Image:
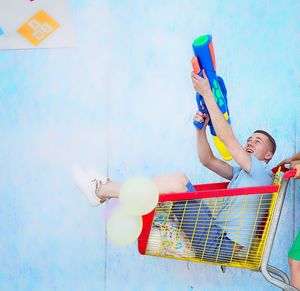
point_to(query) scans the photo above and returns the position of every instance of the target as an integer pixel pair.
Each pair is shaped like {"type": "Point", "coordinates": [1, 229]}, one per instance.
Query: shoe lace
{"type": "Point", "coordinates": [99, 182]}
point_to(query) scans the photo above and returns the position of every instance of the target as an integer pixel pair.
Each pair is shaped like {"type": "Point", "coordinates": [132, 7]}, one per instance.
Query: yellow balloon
{"type": "Point", "coordinates": [139, 195]}
{"type": "Point", "coordinates": [123, 228]}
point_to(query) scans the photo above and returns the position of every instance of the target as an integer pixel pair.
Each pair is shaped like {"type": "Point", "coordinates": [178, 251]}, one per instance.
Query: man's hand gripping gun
{"type": "Point", "coordinates": [205, 59]}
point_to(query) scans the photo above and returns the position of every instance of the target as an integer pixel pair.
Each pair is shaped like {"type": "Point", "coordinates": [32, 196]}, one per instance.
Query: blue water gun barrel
{"type": "Point", "coordinates": [205, 56]}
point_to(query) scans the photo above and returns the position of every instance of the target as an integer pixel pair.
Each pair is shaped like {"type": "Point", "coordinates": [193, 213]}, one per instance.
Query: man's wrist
{"type": "Point", "coordinates": [208, 96]}
{"type": "Point", "coordinates": [201, 132]}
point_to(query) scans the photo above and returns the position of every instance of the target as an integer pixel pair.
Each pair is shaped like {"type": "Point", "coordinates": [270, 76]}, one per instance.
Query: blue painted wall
{"type": "Point", "coordinates": [122, 101]}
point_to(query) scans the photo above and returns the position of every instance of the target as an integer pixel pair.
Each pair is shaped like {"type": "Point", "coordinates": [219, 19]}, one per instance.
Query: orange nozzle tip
{"type": "Point", "coordinates": [196, 66]}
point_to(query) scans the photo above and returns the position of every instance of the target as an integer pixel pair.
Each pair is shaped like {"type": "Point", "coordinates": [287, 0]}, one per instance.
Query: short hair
{"type": "Point", "coordinates": [271, 139]}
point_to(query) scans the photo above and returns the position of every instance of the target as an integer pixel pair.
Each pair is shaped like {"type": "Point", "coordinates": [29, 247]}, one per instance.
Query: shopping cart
{"type": "Point", "coordinates": [178, 227]}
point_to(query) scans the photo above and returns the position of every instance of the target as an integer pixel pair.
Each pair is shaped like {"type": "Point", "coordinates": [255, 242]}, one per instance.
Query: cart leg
{"type": "Point", "coordinates": [265, 268]}
{"type": "Point", "coordinates": [279, 273]}
{"type": "Point", "coordinates": [283, 284]}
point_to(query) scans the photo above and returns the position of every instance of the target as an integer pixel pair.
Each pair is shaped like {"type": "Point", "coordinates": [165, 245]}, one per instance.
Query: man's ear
{"type": "Point", "coordinates": [269, 156]}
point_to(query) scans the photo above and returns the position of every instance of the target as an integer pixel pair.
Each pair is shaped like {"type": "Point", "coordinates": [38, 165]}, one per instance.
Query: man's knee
{"type": "Point", "coordinates": [182, 178]}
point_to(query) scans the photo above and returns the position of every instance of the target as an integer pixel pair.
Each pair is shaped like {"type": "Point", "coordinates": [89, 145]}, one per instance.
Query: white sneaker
{"type": "Point", "coordinates": [95, 175]}
{"type": "Point", "coordinates": [87, 183]}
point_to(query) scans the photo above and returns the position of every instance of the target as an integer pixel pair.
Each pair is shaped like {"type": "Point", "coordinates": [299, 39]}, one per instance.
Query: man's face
{"type": "Point", "coordinates": [259, 145]}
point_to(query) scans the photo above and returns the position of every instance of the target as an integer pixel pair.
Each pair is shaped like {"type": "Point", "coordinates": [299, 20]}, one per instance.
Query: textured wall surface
{"type": "Point", "coordinates": [122, 100]}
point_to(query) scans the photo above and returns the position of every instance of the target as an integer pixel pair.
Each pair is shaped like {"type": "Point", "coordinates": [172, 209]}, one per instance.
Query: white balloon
{"type": "Point", "coordinates": [123, 228]}
{"type": "Point", "coordinates": [139, 195]}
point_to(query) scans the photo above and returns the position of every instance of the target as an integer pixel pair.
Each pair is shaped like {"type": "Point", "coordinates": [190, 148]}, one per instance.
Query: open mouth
{"type": "Point", "coordinates": [249, 151]}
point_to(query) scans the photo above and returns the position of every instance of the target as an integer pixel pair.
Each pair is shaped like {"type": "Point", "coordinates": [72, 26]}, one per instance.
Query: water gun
{"type": "Point", "coordinates": [205, 59]}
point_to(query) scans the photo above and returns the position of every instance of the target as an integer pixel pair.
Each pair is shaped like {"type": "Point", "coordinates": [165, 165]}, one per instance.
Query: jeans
{"type": "Point", "coordinates": [208, 240]}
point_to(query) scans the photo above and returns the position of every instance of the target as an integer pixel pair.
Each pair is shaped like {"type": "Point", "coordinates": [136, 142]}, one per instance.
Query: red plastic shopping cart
{"type": "Point", "coordinates": [172, 229]}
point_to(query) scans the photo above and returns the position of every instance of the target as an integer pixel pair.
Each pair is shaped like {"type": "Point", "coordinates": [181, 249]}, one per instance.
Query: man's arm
{"type": "Point", "coordinates": [205, 153]}
{"type": "Point", "coordinates": [296, 157]}
{"type": "Point", "coordinates": [221, 126]}
{"type": "Point", "coordinates": [291, 159]}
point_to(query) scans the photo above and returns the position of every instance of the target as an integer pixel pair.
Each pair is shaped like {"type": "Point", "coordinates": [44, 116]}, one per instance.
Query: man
{"type": "Point", "coordinates": [230, 229]}
{"type": "Point", "coordinates": [252, 171]}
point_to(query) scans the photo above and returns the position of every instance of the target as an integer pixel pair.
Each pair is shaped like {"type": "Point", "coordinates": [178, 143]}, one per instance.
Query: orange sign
{"type": "Point", "coordinates": [38, 27]}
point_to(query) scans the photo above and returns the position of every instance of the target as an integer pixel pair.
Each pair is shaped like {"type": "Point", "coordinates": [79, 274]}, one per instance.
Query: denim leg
{"type": "Point", "coordinates": [226, 250]}
{"type": "Point", "coordinates": [199, 226]}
